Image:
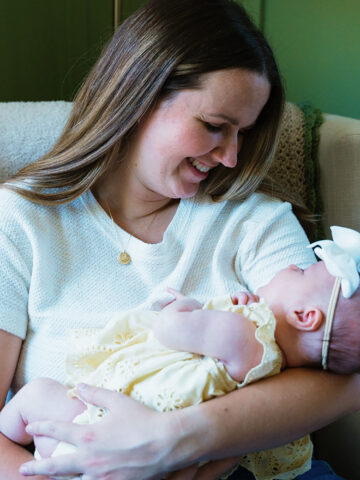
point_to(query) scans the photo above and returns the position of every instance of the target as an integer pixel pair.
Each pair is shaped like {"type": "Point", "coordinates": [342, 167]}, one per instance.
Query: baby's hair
{"type": "Point", "coordinates": [344, 349]}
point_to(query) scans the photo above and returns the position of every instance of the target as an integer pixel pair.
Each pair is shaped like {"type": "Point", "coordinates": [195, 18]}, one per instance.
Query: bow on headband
{"type": "Point", "coordinates": [341, 257]}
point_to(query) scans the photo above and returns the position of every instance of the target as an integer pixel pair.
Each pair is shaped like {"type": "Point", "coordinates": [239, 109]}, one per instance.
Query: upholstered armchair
{"type": "Point", "coordinates": [318, 158]}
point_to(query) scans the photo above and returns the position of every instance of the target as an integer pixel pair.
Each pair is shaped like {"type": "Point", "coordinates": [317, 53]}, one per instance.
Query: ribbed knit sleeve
{"type": "Point", "coordinates": [15, 274]}
{"type": "Point", "coordinates": [272, 240]}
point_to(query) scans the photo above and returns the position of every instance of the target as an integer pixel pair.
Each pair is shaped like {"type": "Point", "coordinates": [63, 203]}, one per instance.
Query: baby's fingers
{"type": "Point", "coordinates": [244, 298]}
{"type": "Point", "coordinates": [177, 294]}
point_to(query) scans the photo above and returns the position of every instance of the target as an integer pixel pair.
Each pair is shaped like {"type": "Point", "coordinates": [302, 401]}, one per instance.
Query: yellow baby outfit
{"type": "Point", "coordinates": [125, 356]}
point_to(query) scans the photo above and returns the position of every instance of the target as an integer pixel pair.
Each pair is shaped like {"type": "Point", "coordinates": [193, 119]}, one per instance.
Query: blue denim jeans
{"type": "Point", "coordinates": [320, 470]}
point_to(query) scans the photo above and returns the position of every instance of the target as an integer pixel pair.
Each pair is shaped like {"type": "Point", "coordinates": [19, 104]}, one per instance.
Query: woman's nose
{"type": "Point", "coordinates": [227, 151]}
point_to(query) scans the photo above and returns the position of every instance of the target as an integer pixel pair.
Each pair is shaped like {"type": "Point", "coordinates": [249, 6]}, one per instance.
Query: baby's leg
{"type": "Point", "coordinates": [40, 399]}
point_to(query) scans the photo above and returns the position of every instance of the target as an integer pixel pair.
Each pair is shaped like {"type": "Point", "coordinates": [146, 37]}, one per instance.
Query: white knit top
{"type": "Point", "coordinates": [59, 267]}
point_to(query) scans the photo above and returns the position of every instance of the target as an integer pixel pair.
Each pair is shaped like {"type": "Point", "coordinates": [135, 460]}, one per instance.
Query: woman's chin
{"type": "Point", "coordinates": [189, 193]}
{"type": "Point", "coordinates": [184, 191]}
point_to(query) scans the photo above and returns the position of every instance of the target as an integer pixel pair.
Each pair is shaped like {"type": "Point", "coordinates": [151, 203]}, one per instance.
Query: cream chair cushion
{"type": "Point", "coordinates": [339, 157]}
{"type": "Point", "coordinates": [27, 131]}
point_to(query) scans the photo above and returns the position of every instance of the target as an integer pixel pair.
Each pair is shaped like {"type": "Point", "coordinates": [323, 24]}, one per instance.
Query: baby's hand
{"type": "Point", "coordinates": [171, 326]}
{"type": "Point", "coordinates": [243, 298]}
{"type": "Point", "coordinates": [181, 303]}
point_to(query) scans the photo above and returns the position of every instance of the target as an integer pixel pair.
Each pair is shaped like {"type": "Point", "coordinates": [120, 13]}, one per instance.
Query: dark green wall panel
{"type": "Point", "coordinates": [129, 6]}
{"type": "Point", "coordinates": [48, 46]}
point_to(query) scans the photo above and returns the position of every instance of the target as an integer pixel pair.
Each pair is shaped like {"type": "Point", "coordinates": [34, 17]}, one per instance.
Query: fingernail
{"type": "Point", "coordinates": [24, 470]}
{"type": "Point", "coordinates": [29, 429]}
{"type": "Point", "coordinates": [81, 387]}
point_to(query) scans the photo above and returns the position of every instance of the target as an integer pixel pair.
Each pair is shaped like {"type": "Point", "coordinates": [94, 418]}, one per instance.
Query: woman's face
{"type": "Point", "coordinates": [194, 131]}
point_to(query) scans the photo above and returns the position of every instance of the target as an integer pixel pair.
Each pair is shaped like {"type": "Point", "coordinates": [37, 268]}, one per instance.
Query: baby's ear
{"type": "Point", "coordinates": [307, 320]}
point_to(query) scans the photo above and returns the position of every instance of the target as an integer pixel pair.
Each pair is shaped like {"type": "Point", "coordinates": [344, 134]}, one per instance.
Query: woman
{"type": "Point", "coordinates": [151, 185]}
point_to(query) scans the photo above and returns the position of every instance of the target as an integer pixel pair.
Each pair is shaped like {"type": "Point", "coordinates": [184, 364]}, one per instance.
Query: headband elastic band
{"type": "Point", "coordinates": [329, 321]}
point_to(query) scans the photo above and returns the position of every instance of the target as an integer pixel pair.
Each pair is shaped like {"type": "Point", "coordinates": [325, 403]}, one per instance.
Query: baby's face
{"type": "Point", "coordinates": [295, 284]}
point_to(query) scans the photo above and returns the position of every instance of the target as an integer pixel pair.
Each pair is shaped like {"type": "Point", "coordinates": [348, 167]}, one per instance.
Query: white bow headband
{"type": "Point", "coordinates": [341, 257]}
{"type": "Point", "coordinates": [342, 260]}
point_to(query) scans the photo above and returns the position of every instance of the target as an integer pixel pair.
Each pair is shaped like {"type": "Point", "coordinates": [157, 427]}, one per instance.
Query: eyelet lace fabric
{"type": "Point", "coordinates": [125, 356]}
{"type": "Point", "coordinates": [281, 463]}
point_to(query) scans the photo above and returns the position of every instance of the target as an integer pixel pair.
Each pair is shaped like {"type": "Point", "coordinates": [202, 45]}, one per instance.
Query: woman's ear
{"type": "Point", "coordinates": [307, 320]}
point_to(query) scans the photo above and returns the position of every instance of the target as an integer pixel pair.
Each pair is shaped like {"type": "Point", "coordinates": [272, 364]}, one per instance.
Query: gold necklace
{"type": "Point", "coordinates": [124, 257]}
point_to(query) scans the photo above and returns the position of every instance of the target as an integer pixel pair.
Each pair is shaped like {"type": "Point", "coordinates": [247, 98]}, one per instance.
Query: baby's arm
{"type": "Point", "coordinates": [40, 399]}
{"type": "Point", "coordinates": [227, 336]}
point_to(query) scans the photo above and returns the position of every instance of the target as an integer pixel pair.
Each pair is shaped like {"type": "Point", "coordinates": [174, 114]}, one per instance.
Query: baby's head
{"type": "Point", "coordinates": [301, 301]}
{"type": "Point", "coordinates": [344, 345]}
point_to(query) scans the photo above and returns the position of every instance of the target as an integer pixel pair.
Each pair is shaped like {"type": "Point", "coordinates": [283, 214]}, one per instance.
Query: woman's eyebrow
{"type": "Point", "coordinates": [231, 120]}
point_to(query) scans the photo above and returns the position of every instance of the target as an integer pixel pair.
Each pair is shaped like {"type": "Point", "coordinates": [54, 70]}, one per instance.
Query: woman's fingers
{"type": "Point", "coordinates": [98, 396]}
{"type": "Point", "coordinates": [50, 466]}
{"type": "Point", "coordinates": [120, 446]}
{"type": "Point", "coordinates": [215, 469]}
{"type": "Point", "coordinates": [62, 431]}
{"type": "Point", "coordinates": [188, 473]}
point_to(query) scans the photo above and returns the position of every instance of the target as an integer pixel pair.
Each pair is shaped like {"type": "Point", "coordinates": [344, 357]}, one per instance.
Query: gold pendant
{"type": "Point", "coordinates": [124, 258]}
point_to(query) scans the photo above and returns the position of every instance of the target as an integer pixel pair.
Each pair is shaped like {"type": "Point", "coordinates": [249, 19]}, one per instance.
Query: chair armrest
{"type": "Point", "coordinates": [339, 158]}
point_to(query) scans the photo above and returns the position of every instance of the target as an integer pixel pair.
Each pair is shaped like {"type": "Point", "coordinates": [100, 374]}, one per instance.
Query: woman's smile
{"type": "Point", "coordinates": [198, 165]}
{"type": "Point", "coordinates": [194, 131]}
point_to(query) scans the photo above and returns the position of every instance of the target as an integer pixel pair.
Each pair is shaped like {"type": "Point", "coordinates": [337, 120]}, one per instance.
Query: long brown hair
{"type": "Point", "coordinates": [164, 47]}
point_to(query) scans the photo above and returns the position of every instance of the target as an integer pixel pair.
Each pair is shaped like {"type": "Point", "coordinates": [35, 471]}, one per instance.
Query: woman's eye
{"type": "Point", "coordinates": [212, 128]}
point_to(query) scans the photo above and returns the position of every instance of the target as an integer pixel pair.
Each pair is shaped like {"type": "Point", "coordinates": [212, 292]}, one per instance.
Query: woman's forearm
{"type": "Point", "coordinates": [11, 457]}
{"type": "Point", "coordinates": [140, 443]}
{"type": "Point", "coordinates": [266, 414]}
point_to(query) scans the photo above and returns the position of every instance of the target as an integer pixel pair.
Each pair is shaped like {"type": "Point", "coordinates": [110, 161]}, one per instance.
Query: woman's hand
{"type": "Point", "coordinates": [216, 469]}
{"type": "Point", "coordinates": [129, 443]}
{"type": "Point", "coordinates": [188, 473]}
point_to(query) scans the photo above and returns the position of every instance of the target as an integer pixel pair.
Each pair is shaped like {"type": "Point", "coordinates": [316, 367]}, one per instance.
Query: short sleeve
{"type": "Point", "coordinates": [273, 240]}
{"type": "Point", "coordinates": [14, 288]}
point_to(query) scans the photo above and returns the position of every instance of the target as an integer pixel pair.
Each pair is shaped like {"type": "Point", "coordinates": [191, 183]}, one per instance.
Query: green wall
{"type": "Point", "coordinates": [317, 45]}
{"type": "Point", "coordinates": [48, 46]}
{"type": "Point", "coordinates": [255, 9]}
{"type": "Point", "coordinates": [129, 6]}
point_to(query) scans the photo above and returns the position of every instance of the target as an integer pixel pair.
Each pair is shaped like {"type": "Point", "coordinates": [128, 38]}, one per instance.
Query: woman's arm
{"type": "Point", "coordinates": [258, 416]}
{"type": "Point", "coordinates": [134, 442]}
{"type": "Point", "coordinates": [11, 455]}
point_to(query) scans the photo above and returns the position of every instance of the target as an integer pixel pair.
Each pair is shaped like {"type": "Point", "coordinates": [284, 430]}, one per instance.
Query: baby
{"type": "Point", "coordinates": [301, 319]}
